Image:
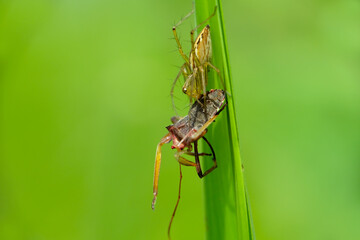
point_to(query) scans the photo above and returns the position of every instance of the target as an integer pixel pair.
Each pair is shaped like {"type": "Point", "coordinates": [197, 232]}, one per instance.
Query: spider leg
{"type": "Point", "coordinates": [173, 86]}
{"type": "Point", "coordinates": [186, 17]}
{"type": "Point", "coordinates": [204, 83]}
{"type": "Point", "coordinates": [193, 31]}
{"type": "Point", "coordinates": [194, 58]}
{"type": "Point", "coordinates": [189, 84]}
{"type": "Point", "coordinates": [220, 77]}
{"type": "Point", "coordinates": [177, 38]}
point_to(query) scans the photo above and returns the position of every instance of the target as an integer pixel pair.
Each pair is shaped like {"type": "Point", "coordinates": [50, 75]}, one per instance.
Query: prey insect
{"type": "Point", "coordinates": [196, 66]}
{"type": "Point", "coordinates": [187, 131]}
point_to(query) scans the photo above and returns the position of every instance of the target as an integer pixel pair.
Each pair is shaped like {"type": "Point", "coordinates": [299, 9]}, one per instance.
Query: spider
{"type": "Point", "coordinates": [195, 69]}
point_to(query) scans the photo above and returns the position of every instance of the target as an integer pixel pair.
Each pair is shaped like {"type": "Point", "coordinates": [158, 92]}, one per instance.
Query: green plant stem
{"type": "Point", "coordinates": [227, 212]}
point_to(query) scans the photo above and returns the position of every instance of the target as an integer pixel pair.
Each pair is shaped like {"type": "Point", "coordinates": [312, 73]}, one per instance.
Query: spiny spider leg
{"type": "Point", "coordinates": [177, 38]}
{"type": "Point", "coordinates": [204, 83]}
{"type": "Point", "coordinates": [190, 82]}
{"type": "Point", "coordinates": [219, 74]}
{"type": "Point", "coordinates": [181, 72]}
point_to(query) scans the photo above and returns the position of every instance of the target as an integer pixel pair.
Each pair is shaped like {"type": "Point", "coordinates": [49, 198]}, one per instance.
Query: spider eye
{"type": "Point", "coordinates": [184, 89]}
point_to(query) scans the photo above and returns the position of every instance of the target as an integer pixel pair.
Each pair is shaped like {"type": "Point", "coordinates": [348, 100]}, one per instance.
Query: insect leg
{"type": "Point", "coordinates": [177, 203]}
{"type": "Point", "coordinates": [173, 86]}
{"type": "Point", "coordinates": [199, 154]}
{"type": "Point", "coordinates": [214, 159]}
{"type": "Point", "coordinates": [183, 160]}
{"type": "Point", "coordinates": [198, 167]}
{"type": "Point", "coordinates": [165, 139]}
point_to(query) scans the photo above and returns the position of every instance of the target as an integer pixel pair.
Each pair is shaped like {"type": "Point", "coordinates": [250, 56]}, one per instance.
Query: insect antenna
{"type": "Point", "coordinates": [177, 204]}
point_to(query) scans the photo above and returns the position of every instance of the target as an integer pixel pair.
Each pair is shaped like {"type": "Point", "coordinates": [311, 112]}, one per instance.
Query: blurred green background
{"type": "Point", "coordinates": [84, 99]}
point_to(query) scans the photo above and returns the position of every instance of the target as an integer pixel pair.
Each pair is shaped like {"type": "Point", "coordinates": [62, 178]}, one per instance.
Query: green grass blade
{"type": "Point", "coordinates": [228, 214]}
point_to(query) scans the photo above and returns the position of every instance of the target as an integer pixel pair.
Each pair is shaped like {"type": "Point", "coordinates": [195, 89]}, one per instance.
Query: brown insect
{"type": "Point", "coordinates": [187, 131]}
